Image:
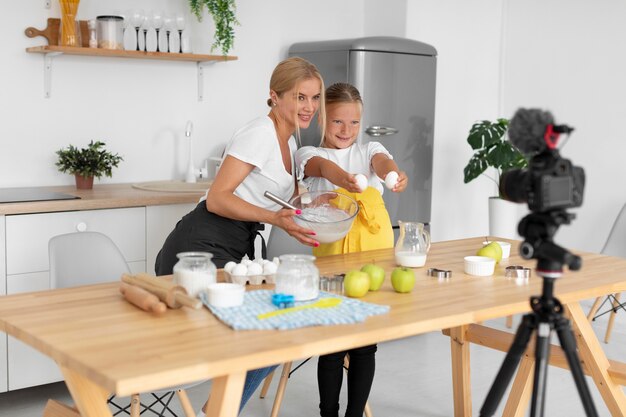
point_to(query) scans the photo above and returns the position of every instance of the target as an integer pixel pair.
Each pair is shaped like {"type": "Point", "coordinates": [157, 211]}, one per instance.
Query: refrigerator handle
{"type": "Point", "coordinates": [381, 130]}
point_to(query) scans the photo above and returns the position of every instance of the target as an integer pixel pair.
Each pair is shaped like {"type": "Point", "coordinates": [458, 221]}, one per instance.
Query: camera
{"type": "Point", "coordinates": [550, 182]}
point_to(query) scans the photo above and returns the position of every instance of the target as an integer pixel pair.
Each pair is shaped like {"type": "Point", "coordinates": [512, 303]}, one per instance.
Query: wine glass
{"type": "Point", "coordinates": [145, 25]}
{"type": "Point", "coordinates": [180, 25]}
{"type": "Point", "coordinates": [168, 24]}
{"type": "Point", "coordinates": [157, 22]}
{"type": "Point", "coordinates": [136, 20]}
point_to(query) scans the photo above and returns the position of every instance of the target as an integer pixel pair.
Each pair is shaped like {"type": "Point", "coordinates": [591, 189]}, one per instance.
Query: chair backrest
{"type": "Point", "coordinates": [84, 258]}
{"type": "Point", "coordinates": [616, 242]}
{"type": "Point", "coordinates": [280, 243]}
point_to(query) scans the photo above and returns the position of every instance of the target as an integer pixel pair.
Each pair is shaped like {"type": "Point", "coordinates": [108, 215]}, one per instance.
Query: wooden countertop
{"type": "Point", "coordinates": [102, 196]}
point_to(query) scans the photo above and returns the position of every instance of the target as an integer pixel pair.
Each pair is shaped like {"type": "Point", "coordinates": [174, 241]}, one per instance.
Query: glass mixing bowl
{"type": "Point", "coordinates": [328, 213]}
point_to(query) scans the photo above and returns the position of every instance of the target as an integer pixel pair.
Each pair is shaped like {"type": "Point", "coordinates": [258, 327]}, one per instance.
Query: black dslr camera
{"type": "Point", "coordinates": [550, 181]}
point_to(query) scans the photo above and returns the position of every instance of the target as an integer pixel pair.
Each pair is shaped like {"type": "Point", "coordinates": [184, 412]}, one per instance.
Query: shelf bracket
{"type": "Point", "coordinates": [201, 78]}
{"type": "Point", "coordinates": [47, 72]}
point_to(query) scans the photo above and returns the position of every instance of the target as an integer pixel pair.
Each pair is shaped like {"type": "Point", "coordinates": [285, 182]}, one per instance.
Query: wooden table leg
{"type": "Point", "coordinates": [522, 389]}
{"type": "Point", "coordinates": [225, 395]}
{"type": "Point", "coordinates": [595, 360]}
{"type": "Point", "coordinates": [461, 385]}
{"type": "Point", "coordinates": [90, 398]}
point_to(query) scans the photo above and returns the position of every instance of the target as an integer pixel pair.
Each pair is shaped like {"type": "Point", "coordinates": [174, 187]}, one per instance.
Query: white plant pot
{"type": "Point", "coordinates": [503, 218]}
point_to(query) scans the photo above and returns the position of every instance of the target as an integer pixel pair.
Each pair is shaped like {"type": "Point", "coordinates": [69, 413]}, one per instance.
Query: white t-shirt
{"type": "Point", "coordinates": [355, 159]}
{"type": "Point", "coordinates": [256, 143]}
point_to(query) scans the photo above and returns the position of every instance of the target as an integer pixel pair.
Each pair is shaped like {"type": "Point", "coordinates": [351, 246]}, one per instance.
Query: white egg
{"type": "Point", "coordinates": [269, 268]}
{"type": "Point", "coordinates": [391, 179]}
{"type": "Point", "coordinates": [255, 269]}
{"type": "Point", "coordinates": [276, 260]}
{"type": "Point", "coordinates": [258, 261]}
{"type": "Point", "coordinates": [265, 261]}
{"type": "Point", "coordinates": [245, 261]}
{"type": "Point", "coordinates": [229, 266]}
{"type": "Point", "coordinates": [361, 181]}
{"type": "Point", "coordinates": [239, 269]}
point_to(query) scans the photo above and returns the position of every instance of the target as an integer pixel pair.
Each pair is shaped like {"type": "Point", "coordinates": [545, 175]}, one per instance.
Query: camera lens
{"type": "Point", "coordinates": [514, 185]}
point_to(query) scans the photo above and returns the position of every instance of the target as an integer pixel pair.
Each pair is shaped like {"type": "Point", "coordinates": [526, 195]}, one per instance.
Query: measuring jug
{"type": "Point", "coordinates": [413, 244]}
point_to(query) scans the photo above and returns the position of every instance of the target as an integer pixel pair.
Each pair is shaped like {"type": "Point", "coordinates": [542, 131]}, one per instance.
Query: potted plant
{"type": "Point", "coordinates": [223, 13]}
{"type": "Point", "coordinates": [87, 163]}
{"type": "Point", "coordinates": [492, 149]}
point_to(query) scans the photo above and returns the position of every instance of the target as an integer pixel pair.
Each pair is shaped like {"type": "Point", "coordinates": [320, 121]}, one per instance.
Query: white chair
{"type": "Point", "coordinates": [279, 243]}
{"type": "Point", "coordinates": [85, 258]}
{"type": "Point", "coordinates": [615, 246]}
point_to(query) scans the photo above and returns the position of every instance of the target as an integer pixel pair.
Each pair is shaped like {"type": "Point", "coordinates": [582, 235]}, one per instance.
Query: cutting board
{"type": "Point", "coordinates": [51, 32]}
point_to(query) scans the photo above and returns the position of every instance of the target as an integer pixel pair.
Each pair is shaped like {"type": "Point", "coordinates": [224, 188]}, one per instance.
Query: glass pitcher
{"type": "Point", "coordinates": [194, 271]}
{"type": "Point", "coordinates": [297, 275]}
{"type": "Point", "coordinates": [413, 244]}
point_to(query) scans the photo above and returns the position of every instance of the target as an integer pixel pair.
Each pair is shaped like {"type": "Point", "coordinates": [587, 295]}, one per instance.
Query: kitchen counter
{"type": "Point", "coordinates": [102, 196]}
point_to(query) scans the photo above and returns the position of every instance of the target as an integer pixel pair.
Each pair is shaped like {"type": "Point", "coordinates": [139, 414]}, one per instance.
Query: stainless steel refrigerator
{"type": "Point", "coordinates": [396, 78]}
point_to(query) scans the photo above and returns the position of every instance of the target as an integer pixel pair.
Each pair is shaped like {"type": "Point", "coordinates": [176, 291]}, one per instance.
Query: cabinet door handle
{"type": "Point", "coordinates": [81, 227]}
{"type": "Point", "coordinates": [381, 130]}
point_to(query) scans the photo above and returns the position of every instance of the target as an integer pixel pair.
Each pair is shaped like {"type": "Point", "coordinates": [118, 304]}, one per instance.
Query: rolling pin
{"type": "Point", "coordinates": [171, 294]}
{"type": "Point", "coordinates": [142, 298]}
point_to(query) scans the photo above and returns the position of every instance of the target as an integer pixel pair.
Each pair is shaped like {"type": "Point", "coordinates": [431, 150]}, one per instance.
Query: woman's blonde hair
{"type": "Point", "coordinates": [287, 75]}
{"type": "Point", "coordinates": [341, 93]}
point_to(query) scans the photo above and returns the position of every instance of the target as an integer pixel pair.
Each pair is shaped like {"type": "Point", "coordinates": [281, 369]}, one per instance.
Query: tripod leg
{"type": "Point", "coordinates": [542, 356]}
{"type": "Point", "coordinates": [512, 359]}
{"type": "Point", "coordinates": [521, 390]}
{"type": "Point", "coordinates": [568, 343]}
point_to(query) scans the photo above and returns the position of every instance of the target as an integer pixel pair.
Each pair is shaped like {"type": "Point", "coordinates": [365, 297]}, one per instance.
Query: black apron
{"type": "Point", "coordinates": [203, 231]}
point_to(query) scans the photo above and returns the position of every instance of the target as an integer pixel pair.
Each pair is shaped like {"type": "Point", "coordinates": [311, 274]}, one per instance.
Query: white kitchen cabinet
{"type": "Point", "coordinates": [4, 380]}
{"type": "Point", "coordinates": [27, 269]}
{"type": "Point", "coordinates": [160, 221]}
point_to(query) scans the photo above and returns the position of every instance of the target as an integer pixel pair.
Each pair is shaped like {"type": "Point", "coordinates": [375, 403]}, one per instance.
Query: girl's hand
{"type": "Point", "coordinates": [349, 183]}
{"type": "Point", "coordinates": [403, 181]}
{"type": "Point", "coordinates": [284, 219]}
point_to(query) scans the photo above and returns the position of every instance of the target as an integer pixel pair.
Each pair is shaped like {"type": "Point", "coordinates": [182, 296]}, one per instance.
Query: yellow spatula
{"type": "Point", "coordinates": [323, 303]}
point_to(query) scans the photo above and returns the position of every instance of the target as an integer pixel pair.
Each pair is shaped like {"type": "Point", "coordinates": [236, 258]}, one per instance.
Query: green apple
{"type": "Point", "coordinates": [356, 283]}
{"type": "Point", "coordinates": [403, 279]}
{"type": "Point", "coordinates": [491, 250]}
{"type": "Point", "coordinates": [377, 275]}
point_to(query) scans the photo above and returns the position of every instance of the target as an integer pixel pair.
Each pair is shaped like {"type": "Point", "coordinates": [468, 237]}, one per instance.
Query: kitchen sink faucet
{"type": "Point", "coordinates": [192, 172]}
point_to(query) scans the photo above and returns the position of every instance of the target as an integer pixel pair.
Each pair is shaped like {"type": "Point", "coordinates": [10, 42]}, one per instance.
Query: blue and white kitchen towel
{"type": "Point", "coordinates": [244, 317]}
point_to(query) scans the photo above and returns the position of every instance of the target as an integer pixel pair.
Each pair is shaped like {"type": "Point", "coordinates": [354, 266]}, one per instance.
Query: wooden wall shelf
{"type": "Point", "coordinates": [51, 51]}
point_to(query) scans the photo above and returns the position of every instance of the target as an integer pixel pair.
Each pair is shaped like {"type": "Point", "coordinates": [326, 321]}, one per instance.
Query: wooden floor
{"type": "Point", "coordinates": [412, 379]}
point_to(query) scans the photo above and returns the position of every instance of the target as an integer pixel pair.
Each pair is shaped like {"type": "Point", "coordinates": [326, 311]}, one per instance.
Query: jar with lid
{"type": "Point", "coordinates": [297, 275]}
{"type": "Point", "coordinates": [110, 32]}
{"type": "Point", "coordinates": [194, 271]}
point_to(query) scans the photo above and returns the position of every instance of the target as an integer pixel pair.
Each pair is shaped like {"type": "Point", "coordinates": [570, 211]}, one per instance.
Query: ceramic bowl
{"type": "Point", "coordinates": [328, 213]}
{"type": "Point", "coordinates": [480, 266]}
{"type": "Point", "coordinates": [225, 294]}
{"type": "Point", "coordinates": [506, 248]}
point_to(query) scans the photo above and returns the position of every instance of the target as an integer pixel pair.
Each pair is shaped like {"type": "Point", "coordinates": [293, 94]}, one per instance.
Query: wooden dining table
{"type": "Point", "coordinates": [104, 345]}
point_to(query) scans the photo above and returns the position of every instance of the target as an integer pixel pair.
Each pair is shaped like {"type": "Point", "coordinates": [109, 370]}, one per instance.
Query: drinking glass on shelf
{"type": "Point", "coordinates": [157, 23]}
{"type": "Point", "coordinates": [137, 17]}
{"type": "Point", "coordinates": [180, 25]}
{"type": "Point", "coordinates": [145, 25]}
{"type": "Point", "coordinates": [168, 25]}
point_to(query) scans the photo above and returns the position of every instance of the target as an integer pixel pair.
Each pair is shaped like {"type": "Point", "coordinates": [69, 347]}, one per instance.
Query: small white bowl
{"type": "Point", "coordinates": [480, 266]}
{"type": "Point", "coordinates": [225, 294]}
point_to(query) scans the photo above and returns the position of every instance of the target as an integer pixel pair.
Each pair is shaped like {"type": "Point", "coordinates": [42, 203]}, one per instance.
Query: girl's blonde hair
{"type": "Point", "coordinates": [287, 75]}
{"type": "Point", "coordinates": [341, 93]}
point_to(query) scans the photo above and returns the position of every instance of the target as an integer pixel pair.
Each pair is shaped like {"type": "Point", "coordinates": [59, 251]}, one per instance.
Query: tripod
{"type": "Point", "coordinates": [546, 317]}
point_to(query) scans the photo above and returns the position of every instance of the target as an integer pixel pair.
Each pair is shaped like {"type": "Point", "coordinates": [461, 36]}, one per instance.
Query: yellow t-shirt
{"type": "Point", "coordinates": [371, 228]}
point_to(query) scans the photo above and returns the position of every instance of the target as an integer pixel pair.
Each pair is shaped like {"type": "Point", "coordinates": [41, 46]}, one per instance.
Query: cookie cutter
{"type": "Point", "coordinates": [517, 271]}
{"type": "Point", "coordinates": [439, 273]}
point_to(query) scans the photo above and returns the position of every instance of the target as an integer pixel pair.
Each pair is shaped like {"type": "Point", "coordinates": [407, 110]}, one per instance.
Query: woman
{"type": "Point", "coordinates": [258, 158]}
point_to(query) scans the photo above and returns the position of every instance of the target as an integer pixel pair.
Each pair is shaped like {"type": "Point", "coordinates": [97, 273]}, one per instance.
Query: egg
{"type": "Point", "coordinates": [276, 260]}
{"type": "Point", "coordinates": [245, 261]}
{"type": "Point", "coordinates": [229, 266]}
{"type": "Point", "coordinates": [391, 179]}
{"type": "Point", "coordinates": [239, 269]}
{"type": "Point", "coordinates": [269, 268]}
{"type": "Point", "coordinates": [361, 181]}
{"type": "Point", "coordinates": [255, 269]}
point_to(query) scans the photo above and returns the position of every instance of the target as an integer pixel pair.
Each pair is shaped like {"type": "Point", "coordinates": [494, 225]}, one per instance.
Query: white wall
{"type": "Point", "coordinates": [562, 55]}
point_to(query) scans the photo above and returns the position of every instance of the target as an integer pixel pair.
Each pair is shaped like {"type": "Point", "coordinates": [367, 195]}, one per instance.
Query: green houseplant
{"type": "Point", "coordinates": [223, 13]}
{"type": "Point", "coordinates": [87, 163]}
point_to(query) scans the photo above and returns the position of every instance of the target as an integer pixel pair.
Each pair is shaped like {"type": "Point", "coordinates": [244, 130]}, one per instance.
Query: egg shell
{"type": "Point", "coordinates": [391, 179]}
{"type": "Point", "coordinates": [239, 269]}
{"type": "Point", "coordinates": [229, 266]}
{"type": "Point", "coordinates": [255, 269]}
{"type": "Point", "coordinates": [245, 261]}
{"type": "Point", "coordinates": [361, 181]}
{"type": "Point", "coordinates": [269, 268]}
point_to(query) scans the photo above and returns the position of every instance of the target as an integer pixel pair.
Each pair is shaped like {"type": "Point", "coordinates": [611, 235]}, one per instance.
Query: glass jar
{"type": "Point", "coordinates": [69, 31]}
{"type": "Point", "coordinates": [413, 244]}
{"type": "Point", "coordinates": [194, 271]}
{"type": "Point", "coordinates": [110, 32]}
{"type": "Point", "coordinates": [297, 275]}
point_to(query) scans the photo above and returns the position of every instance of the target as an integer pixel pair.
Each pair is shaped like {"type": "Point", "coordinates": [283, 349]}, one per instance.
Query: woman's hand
{"type": "Point", "coordinates": [403, 181]}
{"type": "Point", "coordinates": [284, 219]}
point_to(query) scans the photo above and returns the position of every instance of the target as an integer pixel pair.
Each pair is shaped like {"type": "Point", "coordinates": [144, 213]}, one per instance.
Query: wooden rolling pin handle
{"type": "Point", "coordinates": [188, 301]}
{"type": "Point", "coordinates": [142, 299]}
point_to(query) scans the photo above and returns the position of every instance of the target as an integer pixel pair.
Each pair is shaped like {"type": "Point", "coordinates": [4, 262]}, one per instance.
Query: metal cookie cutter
{"type": "Point", "coordinates": [517, 271]}
{"type": "Point", "coordinates": [439, 273]}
